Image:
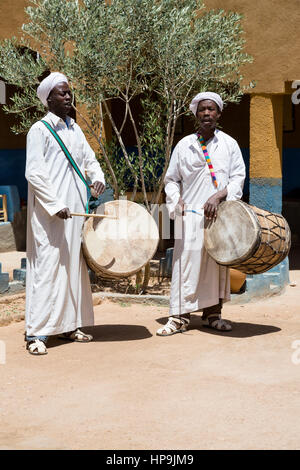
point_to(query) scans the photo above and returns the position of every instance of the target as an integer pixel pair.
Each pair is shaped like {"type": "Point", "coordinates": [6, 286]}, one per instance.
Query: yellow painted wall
{"type": "Point", "coordinates": [12, 16]}
{"type": "Point", "coordinates": [271, 31]}
{"type": "Point", "coordinates": [266, 136]}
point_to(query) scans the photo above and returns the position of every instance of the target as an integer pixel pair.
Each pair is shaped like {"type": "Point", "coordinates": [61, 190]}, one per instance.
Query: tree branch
{"type": "Point", "coordinates": [115, 182]}
{"type": "Point", "coordinates": [140, 156]}
{"type": "Point", "coordinates": [122, 146]}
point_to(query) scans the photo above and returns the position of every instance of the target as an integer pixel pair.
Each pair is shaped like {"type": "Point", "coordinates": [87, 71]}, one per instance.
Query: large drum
{"type": "Point", "coordinates": [247, 238]}
{"type": "Point", "coordinates": [121, 245]}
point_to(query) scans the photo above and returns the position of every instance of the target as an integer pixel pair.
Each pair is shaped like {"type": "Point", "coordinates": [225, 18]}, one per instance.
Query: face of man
{"type": "Point", "coordinates": [207, 114]}
{"type": "Point", "coordinates": [60, 100]}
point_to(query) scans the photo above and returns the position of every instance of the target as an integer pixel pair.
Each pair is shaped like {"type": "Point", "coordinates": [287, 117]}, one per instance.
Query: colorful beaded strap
{"type": "Point", "coordinates": [208, 160]}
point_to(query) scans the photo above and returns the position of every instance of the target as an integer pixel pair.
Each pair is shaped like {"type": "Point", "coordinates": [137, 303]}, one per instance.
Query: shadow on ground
{"type": "Point", "coordinates": [239, 330]}
{"type": "Point", "coordinates": [102, 333]}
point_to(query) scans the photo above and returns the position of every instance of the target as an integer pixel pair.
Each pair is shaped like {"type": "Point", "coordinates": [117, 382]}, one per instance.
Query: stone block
{"type": "Point", "coordinates": [13, 234]}
{"type": "Point", "coordinates": [19, 228]}
{"type": "Point", "coordinates": [270, 282]}
{"type": "Point", "coordinates": [19, 275]}
{"type": "Point", "coordinates": [4, 281]}
{"type": "Point", "coordinates": [165, 266]}
{"type": "Point", "coordinates": [7, 237]}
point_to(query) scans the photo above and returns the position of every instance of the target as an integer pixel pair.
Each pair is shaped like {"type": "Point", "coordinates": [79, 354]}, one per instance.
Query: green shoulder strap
{"type": "Point", "coordinates": [70, 158]}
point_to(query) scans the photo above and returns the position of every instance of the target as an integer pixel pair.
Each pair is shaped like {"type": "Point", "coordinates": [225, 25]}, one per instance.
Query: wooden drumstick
{"type": "Point", "coordinates": [94, 215]}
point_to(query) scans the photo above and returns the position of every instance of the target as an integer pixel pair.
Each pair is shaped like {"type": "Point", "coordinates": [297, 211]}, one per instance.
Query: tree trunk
{"type": "Point", "coordinates": [146, 277]}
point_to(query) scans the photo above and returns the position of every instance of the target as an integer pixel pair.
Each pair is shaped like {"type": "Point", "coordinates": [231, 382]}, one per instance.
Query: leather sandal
{"type": "Point", "coordinates": [36, 347]}
{"type": "Point", "coordinates": [174, 325]}
{"type": "Point", "coordinates": [77, 336]}
{"type": "Point", "coordinates": [216, 322]}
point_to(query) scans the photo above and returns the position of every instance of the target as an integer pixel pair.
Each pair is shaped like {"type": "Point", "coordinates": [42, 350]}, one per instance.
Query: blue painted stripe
{"type": "Point", "coordinates": [266, 193]}
{"type": "Point", "coordinates": [12, 169]}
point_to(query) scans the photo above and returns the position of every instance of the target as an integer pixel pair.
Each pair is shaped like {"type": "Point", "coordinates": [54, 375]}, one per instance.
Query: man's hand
{"type": "Point", "coordinates": [97, 188]}
{"type": "Point", "coordinates": [211, 205]}
{"type": "Point", "coordinates": [64, 213]}
{"type": "Point", "coordinates": [179, 209]}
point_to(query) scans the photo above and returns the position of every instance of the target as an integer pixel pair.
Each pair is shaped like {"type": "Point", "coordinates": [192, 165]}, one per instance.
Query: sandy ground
{"type": "Point", "coordinates": [130, 389]}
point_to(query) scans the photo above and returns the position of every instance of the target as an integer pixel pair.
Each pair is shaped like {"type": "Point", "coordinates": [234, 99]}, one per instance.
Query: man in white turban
{"type": "Point", "coordinates": [58, 292]}
{"type": "Point", "coordinates": [47, 85]}
{"type": "Point", "coordinates": [194, 189]}
{"type": "Point", "coordinates": [206, 95]}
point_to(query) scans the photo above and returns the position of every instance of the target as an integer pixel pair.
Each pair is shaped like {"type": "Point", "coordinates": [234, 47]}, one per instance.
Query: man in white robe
{"type": "Point", "coordinates": [198, 282]}
{"type": "Point", "coordinates": [58, 292]}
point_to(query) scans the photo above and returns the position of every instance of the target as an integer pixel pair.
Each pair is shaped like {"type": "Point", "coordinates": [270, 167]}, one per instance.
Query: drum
{"type": "Point", "coordinates": [121, 245]}
{"type": "Point", "coordinates": [247, 238]}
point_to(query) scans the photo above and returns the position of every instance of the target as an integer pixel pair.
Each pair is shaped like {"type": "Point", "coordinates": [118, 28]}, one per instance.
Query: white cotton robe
{"type": "Point", "coordinates": [197, 280]}
{"type": "Point", "coordinates": [58, 292]}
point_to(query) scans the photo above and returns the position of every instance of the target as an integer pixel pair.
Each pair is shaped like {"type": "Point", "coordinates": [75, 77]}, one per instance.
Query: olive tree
{"type": "Point", "coordinates": [162, 52]}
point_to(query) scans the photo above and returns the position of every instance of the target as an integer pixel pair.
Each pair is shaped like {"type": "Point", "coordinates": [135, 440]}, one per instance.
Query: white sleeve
{"type": "Point", "coordinates": [237, 174]}
{"type": "Point", "coordinates": [172, 183]}
{"type": "Point", "coordinates": [37, 175]}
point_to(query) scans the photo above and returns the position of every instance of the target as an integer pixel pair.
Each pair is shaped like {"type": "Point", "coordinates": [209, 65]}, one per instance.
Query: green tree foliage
{"type": "Point", "coordinates": [163, 52]}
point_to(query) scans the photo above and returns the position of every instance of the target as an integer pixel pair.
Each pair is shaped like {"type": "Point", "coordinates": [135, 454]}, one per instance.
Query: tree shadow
{"type": "Point", "coordinates": [103, 333]}
{"type": "Point", "coordinates": [239, 329]}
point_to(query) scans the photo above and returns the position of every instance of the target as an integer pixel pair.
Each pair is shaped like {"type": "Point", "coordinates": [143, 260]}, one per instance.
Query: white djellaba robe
{"type": "Point", "coordinates": [197, 280]}
{"type": "Point", "coordinates": [58, 292]}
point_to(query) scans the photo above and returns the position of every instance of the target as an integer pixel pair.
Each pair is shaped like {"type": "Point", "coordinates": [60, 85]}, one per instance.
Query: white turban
{"type": "Point", "coordinates": [206, 95]}
{"type": "Point", "coordinates": [48, 84]}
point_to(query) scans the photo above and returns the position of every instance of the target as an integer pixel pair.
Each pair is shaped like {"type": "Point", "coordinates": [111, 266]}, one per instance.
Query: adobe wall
{"type": "Point", "coordinates": [271, 31]}
{"type": "Point", "coordinates": [12, 16]}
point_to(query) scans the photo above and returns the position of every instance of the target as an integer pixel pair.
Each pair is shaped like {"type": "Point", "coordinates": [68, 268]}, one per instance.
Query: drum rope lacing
{"type": "Point", "coordinates": [261, 259]}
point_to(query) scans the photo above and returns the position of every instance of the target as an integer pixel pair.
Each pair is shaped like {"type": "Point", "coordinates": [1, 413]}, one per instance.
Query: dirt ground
{"type": "Point", "coordinates": [130, 389]}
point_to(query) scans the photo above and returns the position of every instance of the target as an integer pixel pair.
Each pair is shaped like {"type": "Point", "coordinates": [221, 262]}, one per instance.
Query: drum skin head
{"type": "Point", "coordinates": [119, 247]}
{"type": "Point", "coordinates": [234, 235]}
